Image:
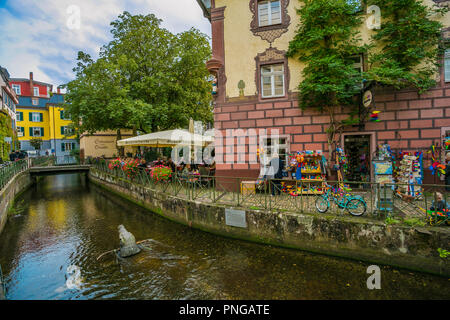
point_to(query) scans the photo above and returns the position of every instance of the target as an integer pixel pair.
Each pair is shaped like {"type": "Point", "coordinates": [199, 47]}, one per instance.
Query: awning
{"type": "Point", "coordinates": [170, 138]}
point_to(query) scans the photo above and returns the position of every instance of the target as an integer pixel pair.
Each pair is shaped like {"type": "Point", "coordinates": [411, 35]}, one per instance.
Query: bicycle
{"type": "Point", "coordinates": [355, 205]}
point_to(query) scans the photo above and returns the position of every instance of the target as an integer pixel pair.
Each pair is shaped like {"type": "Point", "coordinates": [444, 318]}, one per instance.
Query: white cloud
{"type": "Point", "coordinates": [39, 40]}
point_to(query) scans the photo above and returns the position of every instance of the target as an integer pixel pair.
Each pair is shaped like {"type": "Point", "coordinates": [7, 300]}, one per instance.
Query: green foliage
{"type": "Point", "coordinates": [36, 143]}
{"type": "Point", "coordinates": [390, 220]}
{"type": "Point", "coordinates": [5, 131]}
{"type": "Point", "coordinates": [326, 41]}
{"type": "Point", "coordinates": [414, 222]}
{"type": "Point", "coordinates": [411, 43]}
{"type": "Point", "coordinates": [443, 253]}
{"type": "Point", "coordinates": [146, 79]}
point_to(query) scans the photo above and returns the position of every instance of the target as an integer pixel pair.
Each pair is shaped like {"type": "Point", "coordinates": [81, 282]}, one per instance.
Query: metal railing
{"type": "Point", "coordinates": [43, 161]}
{"type": "Point", "coordinates": [382, 201]}
{"type": "Point", "coordinates": [11, 169]}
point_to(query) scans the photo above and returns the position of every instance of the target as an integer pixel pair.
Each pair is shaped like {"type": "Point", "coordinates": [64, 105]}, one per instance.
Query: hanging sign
{"type": "Point", "coordinates": [367, 98]}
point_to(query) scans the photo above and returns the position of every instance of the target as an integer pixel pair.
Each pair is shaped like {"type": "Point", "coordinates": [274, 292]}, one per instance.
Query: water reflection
{"type": "Point", "coordinates": [68, 223]}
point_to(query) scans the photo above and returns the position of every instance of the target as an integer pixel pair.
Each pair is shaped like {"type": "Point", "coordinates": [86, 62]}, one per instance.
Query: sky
{"type": "Point", "coordinates": [44, 36]}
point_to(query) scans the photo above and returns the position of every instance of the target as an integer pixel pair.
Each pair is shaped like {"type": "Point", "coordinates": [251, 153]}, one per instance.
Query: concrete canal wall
{"type": "Point", "coordinates": [349, 237]}
{"type": "Point", "coordinates": [7, 195]}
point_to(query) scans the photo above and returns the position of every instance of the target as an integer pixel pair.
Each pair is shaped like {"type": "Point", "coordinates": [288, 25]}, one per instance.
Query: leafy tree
{"type": "Point", "coordinates": [409, 44]}
{"type": "Point", "coordinates": [326, 42]}
{"type": "Point", "coordinates": [36, 143]}
{"type": "Point", "coordinates": [145, 79]}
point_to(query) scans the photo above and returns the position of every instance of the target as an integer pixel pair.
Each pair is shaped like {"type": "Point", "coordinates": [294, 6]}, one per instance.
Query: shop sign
{"type": "Point", "coordinates": [235, 218]}
{"type": "Point", "coordinates": [367, 98]}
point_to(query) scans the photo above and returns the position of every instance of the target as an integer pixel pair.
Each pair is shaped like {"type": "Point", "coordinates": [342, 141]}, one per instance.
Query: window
{"type": "Point", "coordinates": [36, 117]}
{"type": "Point", "coordinates": [35, 102]}
{"type": "Point", "coordinates": [65, 131]}
{"type": "Point", "coordinates": [64, 115]}
{"type": "Point", "coordinates": [36, 91]}
{"type": "Point", "coordinates": [19, 116]}
{"type": "Point", "coordinates": [272, 145]}
{"type": "Point", "coordinates": [269, 13]}
{"type": "Point", "coordinates": [16, 88]}
{"type": "Point", "coordinates": [272, 80]}
{"type": "Point", "coordinates": [20, 131]}
{"type": "Point", "coordinates": [447, 65]}
{"type": "Point", "coordinates": [358, 65]}
{"type": "Point", "coordinates": [67, 146]}
{"type": "Point", "coordinates": [36, 132]}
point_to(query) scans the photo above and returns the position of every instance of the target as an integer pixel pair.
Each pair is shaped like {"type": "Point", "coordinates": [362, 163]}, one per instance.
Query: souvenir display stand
{"type": "Point", "coordinates": [410, 174]}
{"type": "Point", "coordinates": [309, 170]}
{"type": "Point", "coordinates": [383, 171]}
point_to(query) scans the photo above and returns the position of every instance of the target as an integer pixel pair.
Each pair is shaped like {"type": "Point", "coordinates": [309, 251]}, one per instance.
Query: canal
{"type": "Point", "coordinates": [59, 227]}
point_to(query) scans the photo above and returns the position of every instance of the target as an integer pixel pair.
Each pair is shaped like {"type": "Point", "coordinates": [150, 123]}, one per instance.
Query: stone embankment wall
{"type": "Point", "coordinates": [349, 237]}
{"type": "Point", "coordinates": [7, 195]}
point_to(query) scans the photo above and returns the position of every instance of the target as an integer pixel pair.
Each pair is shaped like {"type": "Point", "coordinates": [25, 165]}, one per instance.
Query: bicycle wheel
{"type": "Point", "coordinates": [322, 204]}
{"type": "Point", "coordinates": [356, 207]}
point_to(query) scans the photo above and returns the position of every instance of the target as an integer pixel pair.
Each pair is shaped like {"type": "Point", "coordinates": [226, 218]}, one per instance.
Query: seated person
{"type": "Point", "coordinates": [439, 204]}
{"type": "Point", "coordinates": [186, 170]}
{"type": "Point", "coordinates": [142, 164]}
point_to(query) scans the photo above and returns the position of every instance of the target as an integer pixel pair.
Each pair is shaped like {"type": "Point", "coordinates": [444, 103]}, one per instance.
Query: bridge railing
{"type": "Point", "coordinates": [10, 169]}
{"type": "Point", "coordinates": [393, 202]}
{"type": "Point", "coordinates": [43, 161]}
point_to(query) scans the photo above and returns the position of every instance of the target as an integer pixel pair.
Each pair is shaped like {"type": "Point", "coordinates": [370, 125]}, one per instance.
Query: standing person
{"type": "Point", "coordinates": [447, 172]}
{"type": "Point", "coordinates": [276, 167]}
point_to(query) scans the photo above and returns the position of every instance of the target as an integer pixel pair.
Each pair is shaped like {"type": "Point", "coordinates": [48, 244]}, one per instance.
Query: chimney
{"type": "Point", "coordinates": [31, 84]}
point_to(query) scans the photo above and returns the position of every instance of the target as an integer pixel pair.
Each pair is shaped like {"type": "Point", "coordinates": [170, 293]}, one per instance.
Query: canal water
{"type": "Point", "coordinates": [49, 250]}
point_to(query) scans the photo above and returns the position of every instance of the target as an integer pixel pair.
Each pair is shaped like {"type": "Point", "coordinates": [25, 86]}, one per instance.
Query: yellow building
{"type": "Point", "coordinates": [48, 123]}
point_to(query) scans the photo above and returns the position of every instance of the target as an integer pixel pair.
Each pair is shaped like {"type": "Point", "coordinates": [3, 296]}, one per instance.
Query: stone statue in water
{"type": "Point", "coordinates": [128, 246]}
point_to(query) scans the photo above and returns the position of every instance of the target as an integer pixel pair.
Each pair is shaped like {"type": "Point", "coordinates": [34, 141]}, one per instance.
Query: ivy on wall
{"type": "Point", "coordinates": [5, 131]}
{"type": "Point", "coordinates": [403, 53]}
{"type": "Point", "coordinates": [409, 44]}
{"type": "Point", "coordinates": [327, 42]}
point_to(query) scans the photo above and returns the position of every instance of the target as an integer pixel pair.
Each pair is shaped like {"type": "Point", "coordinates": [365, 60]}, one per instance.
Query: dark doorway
{"type": "Point", "coordinates": [357, 148]}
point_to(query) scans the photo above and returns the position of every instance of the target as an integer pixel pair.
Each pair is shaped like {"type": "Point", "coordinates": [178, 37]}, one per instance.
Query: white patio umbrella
{"type": "Point", "coordinates": [170, 138]}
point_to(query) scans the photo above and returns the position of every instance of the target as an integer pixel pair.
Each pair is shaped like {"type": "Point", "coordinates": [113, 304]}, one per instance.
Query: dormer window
{"type": "Point", "coordinates": [269, 13]}
{"type": "Point", "coordinates": [16, 88]}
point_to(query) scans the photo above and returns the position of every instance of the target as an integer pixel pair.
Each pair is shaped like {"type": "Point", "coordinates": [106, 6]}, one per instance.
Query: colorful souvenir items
{"type": "Point", "coordinates": [374, 116]}
{"type": "Point", "coordinates": [436, 166]}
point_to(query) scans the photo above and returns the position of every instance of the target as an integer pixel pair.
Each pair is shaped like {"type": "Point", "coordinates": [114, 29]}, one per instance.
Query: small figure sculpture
{"type": "Point", "coordinates": [128, 246]}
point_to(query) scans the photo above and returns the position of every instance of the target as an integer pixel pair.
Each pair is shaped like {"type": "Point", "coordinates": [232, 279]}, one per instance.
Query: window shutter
{"type": "Point", "coordinates": [61, 114]}
{"type": "Point", "coordinates": [42, 132]}
{"type": "Point", "coordinates": [62, 130]}
{"type": "Point", "coordinates": [41, 116]}
{"type": "Point", "coordinates": [31, 132]}
{"type": "Point", "coordinates": [73, 145]}
{"type": "Point", "coordinates": [63, 147]}
{"type": "Point", "coordinates": [21, 116]}
{"type": "Point", "coordinates": [31, 116]}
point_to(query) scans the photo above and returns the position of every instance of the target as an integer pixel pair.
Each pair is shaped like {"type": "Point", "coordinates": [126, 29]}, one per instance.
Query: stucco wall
{"type": "Point", "coordinates": [413, 248]}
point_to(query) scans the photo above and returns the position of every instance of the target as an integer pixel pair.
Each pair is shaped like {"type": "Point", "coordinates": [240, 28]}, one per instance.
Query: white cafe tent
{"type": "Point", "coordinates": [170, 138]}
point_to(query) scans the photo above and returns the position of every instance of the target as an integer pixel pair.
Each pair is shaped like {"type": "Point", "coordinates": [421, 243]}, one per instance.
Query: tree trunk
{"type": "Point", "coordinates": [120, 150]}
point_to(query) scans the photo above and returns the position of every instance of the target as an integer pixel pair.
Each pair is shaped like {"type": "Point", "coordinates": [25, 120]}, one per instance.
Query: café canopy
{"type": "Point", "coordinates": [170, 138]}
